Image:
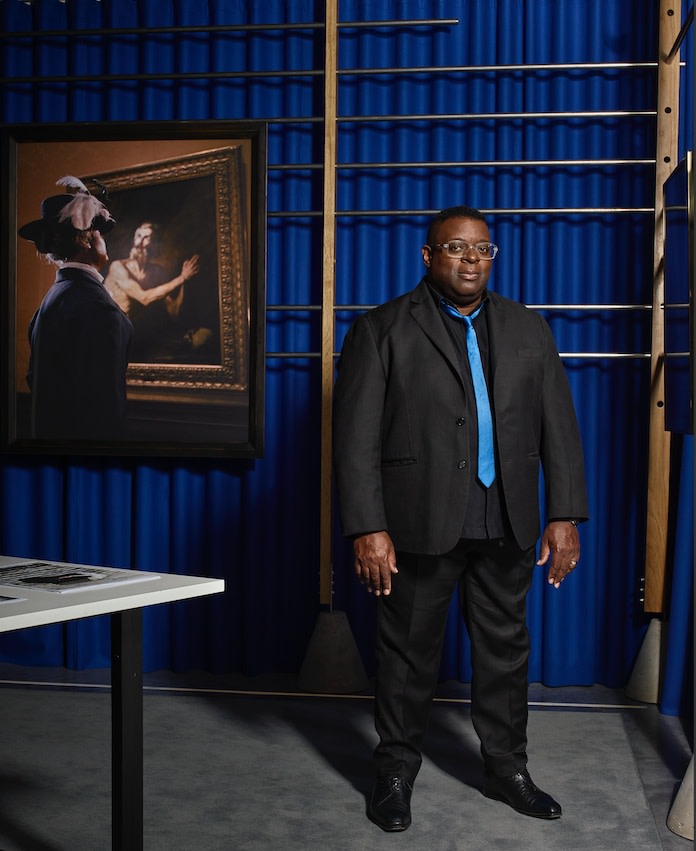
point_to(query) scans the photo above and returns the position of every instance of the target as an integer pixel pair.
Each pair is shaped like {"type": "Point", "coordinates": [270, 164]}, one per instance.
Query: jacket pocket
{"type": "Point", "coordinates": [398, 462]}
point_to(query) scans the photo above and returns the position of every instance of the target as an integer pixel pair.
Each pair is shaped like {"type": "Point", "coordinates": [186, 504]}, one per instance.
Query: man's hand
{"type": "Point", "coordinates": [375, 561]}
{"type": "Point", "coordinates": [560, 540]}
{"type": "Point", "coordinates": [189, 267]}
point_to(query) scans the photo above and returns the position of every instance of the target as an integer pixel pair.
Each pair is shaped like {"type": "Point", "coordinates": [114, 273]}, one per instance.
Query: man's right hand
{"type": "Point", "coordinates": [375, 561]}
{"type": "Point", "coordinates": [189, 267]}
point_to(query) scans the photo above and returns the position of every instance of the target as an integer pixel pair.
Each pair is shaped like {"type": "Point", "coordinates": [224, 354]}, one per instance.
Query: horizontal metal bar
{"type": "Point", "coordinates": [225, 28]}
{"type": "Point", "coordinates": [357, 166]}
{"type": "Point", "coordinates": [591, 307]}
{"type": "Point", "coordinates": [522, 211]}
{"type": "Point", "coordinates": [414, 22]}
{"type": "Point", "coordinates": [529, 211]}
{"type": "Point", "coordinates": [480, 69]}
{"type": "Point", "coordinates": [317, 119]}
{"type": "Point", "coordinates": [564, 355]}
{"type": "Point", "coordinates": [358, 119]}
{"type": "Point", "coordinates": [499, 164]}
{"type": "Point", "coordinates": [608, 355]}
{"type": "Point", "coordinates": [499, 116]}
{"type": "Point", "coordinates": [555, 306]}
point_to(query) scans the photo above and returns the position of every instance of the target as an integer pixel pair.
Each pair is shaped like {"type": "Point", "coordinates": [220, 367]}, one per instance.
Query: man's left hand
{"type": "Point", "coordinates": [560, 541]}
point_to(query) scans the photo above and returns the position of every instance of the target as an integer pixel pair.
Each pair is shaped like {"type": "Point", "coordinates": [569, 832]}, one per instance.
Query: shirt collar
{"type": "Point", "coordinates": [438, 297]}
{"type": "Point", "coordinates": [86, 268]}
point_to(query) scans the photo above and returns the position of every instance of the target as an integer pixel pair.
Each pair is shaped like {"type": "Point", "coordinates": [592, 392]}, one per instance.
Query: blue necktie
{"type": "Point", "coordinates": [486, 452]}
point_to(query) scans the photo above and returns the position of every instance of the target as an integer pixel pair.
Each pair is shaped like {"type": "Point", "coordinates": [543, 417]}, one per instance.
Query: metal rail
{"type": "Point", "coordinates": [221, 28]}
{"type": "Point", "coordinates": [354, 307]}
{"type": "Point", "coordinates": [562, 355]}
{"type": "Point", "coordinates": [355, 166]}
{"type": "Point", "coordinates": [526, 211]}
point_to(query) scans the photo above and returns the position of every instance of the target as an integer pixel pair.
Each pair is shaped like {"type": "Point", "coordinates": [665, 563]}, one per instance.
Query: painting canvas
{"type": "Point", "coordinates": [186, 265]}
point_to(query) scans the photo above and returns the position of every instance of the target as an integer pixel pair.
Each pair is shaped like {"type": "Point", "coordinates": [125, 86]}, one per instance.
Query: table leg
{"type": "Point", "coordinates": [127, 729]}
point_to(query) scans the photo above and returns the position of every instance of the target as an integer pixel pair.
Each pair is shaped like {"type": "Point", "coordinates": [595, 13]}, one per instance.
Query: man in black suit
{"type": "Point", "coordinates": [406, 447]}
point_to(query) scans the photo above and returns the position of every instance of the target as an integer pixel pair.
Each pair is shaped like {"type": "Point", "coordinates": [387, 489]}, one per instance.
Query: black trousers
{"type": "Point", "coordinates": [494, 577]}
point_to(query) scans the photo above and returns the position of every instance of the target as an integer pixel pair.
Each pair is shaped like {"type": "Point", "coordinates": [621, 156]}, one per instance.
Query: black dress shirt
{"type": "Point", "coordinates": [484, 514]}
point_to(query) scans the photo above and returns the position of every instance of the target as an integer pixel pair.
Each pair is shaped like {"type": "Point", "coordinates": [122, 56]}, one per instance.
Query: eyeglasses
{"type": "Point", "coordinates": [483, 250]}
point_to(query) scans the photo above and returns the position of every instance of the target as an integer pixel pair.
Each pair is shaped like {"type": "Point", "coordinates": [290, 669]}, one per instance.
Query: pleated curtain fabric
{"type": "Point", "coordinates": [255, 523]}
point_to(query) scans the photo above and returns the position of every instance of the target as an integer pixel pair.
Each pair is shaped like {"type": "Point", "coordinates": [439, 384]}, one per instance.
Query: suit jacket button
{"type": "Point", "coordinates": [461, 421]}
{"type": "Point", "coordinates": [461, 465]}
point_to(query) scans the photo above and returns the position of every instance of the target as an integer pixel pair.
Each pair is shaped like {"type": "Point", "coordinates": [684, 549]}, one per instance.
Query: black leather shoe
{"type": "Point", "coordinates": [390, 803]}
{"type": "Point", "coordinates": [522, 795]}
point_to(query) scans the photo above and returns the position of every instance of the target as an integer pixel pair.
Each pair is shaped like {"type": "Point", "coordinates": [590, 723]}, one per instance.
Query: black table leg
{"type": "Point", "coordinates": [127, 729]}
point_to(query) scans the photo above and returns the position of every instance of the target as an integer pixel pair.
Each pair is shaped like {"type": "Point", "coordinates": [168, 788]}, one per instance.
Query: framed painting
{"type": "Point", "coordinates": [185, 265]}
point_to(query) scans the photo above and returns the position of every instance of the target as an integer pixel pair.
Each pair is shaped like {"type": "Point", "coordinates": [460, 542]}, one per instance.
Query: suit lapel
{"type": "Point", "coordinates": [498, 342]}
{"type": "Point", "coordinates": [425, 312]}
{"type": "Point", "coordinates": [496, 318]}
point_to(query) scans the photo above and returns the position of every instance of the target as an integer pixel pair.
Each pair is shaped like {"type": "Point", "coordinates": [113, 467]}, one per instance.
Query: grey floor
{"type": "Point", "coordinates": [237, 763]}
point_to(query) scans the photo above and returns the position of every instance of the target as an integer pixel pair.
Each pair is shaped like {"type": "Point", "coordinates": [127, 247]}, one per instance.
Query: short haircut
{"type": "Point", "coordinates": [460, 212]}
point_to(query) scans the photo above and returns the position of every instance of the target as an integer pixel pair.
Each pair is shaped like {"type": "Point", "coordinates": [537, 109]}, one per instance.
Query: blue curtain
{"type": "Point", "coordinates": [677, 694]}
{"type": "Point", "coordinates": [255, 523]}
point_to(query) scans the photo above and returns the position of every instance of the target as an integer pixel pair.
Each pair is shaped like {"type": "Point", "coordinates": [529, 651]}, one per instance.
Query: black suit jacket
{"type": "Point", "coordinates": [80, 340]}
{"type": "Point", "coordinates": [400, 443]}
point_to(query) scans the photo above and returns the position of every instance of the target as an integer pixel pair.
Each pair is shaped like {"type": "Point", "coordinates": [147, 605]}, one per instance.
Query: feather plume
{"type": "Point", "coordinates": [83, 210]}
{"type": "Point", "coordinates": [72, 184]}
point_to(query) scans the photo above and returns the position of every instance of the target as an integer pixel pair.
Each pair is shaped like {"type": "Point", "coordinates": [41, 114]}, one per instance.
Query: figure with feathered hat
{"type": "Point", "coordinates": [80, 338]}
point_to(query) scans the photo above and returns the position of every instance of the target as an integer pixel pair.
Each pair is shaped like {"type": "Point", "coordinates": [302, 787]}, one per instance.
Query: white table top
{"type": "Point", "coordinates": [46, 607]}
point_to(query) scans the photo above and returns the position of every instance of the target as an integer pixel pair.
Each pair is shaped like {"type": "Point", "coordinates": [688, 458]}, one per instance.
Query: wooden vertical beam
{"type": "Point", "coordinates": [328, 298]}
{"type": "Point", "coordinates": [659, 438]}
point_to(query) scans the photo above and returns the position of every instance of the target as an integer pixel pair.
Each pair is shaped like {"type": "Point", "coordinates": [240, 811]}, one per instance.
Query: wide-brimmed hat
{"type": "Point", "coordinates": [81, 210]}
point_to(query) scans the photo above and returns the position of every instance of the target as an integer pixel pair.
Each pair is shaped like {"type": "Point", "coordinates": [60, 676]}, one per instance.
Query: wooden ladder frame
{"type": "Point", "coordinates": [328, 301]}
{"type": "Point", "coordinates": [667, 151]}
{"type": "Point", "coordinates": [659, 438]}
